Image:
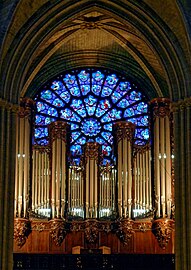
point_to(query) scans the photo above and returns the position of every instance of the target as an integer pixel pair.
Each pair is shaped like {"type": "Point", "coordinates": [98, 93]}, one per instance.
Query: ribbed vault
{"type": "Point", "coordinates": [45, 39]}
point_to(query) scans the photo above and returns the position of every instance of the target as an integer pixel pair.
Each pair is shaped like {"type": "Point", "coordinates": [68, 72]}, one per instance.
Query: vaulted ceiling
{"type": "Point", "coordinates": [147, 41]}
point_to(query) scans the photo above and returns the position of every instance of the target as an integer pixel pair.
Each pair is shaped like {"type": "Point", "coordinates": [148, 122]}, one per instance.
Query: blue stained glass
{"type": "Point", "coordinates": [91, 127]}
{"type": "Point", "coordinates": [85, 89]}
{"type": "Point", "coordinates": [90, 116]}
{"type": "Point", "coordinates": [108, 127]}
{"type": "Point", "coordinates": [57, 85]}
{"type": "Point", "coordinates": [123, 103]}
{"type": "Point", "coordinates": [69, 80]}
{"type": "Point", "coordinates": [111, 116]}
{"type": "Point", "coordinates": [84, 76]}
{"type": "Point", "coordinates": [43, 142]}
{"type": "Point", "coordinates": [106, 150]}
{"type": "Point", "coordinates": [76, 161]}
{"type": "Point", "coordinates": [52, 112]}
{"type": "Point", "coordinates": [135, 95]}
{"type": "Point", "coordinates": [124, 86]}
{"type": "Point", "coordinates": [75, 135]}
{"type": "Point", "coordinates": [44, 108]}
{"type": "Point", "coordinates": [141, 143]}
{"type": "Point", "coordinates": [69, 115]}
{"type": "Point", "coordinates": [106, 162]}
{"type": "Point", "coordinates": [96, 89]}
{"type": "Point", "coordinates": [75, 91]}
{"type": "Point", "coordinates": [74, 126]}
{"type": "Point", "coordinates": [40, 132]}
{"type": "Point", "coordinates": [46, 94]}
{"type": "Point", "coordinates": [142, 134]}
{"type": "Point", "coordinates": [100, 140]}
{"type": "Point", "coordinates": [106, 91]}
{"type": "Point", "coordinates": [103, 107]}
{"type": "Point", "coordinates": [90, 102]}
{"type": "Point", "coordinates": [81, 140]}
{"type": "Point", "coordinates": [116, 96]}
{"type": "Point", "coordinates": [107, 136]}
{"type": "Point", "coordinates": [76, 149]}
{"type": "Point", "coordinates": [97, 77]}
{"type": "Point", "coordinates": [78, 106]}
{"type": "Point", "coordinates": [129, 112]}
{"type": "Point", "coordinates": [111, 80]}
{"type": "Point", "coordinates": [58, 102]}
{"type": "Point", "coordinates": [65, 96]}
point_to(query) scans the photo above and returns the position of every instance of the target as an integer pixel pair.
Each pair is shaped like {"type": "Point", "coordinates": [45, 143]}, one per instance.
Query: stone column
{"type": "Point", "coordinates": [182, 162]}
{"type": "Point", "coordinates": [7, 182]}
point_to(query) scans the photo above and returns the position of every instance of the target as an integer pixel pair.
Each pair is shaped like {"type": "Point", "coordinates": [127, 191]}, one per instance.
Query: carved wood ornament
{"type": "Point", "coordinates": [22, 229]}
{"type": "Point", "coordinates": [57, 230]}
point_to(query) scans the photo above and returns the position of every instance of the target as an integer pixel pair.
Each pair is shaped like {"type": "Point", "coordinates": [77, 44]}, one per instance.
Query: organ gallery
{"type": "Point", "coordinates": [94, 167]}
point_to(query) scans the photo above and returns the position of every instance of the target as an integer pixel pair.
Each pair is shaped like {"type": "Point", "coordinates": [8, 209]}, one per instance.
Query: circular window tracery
{"type": "Point", "coordinates": [91, 100]}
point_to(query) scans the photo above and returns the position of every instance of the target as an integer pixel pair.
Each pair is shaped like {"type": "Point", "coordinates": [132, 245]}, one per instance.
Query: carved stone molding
{"type": "Point", "coordinates": [124, 130]}
{"type": "Point", "coordinates": [162, 229]}
{"type": "Point", "coordinates": [57, 230]}
{"type": "Point", "coordinates": [58, 130]}
{"type": "Point", "coordinates": [22, 229]}
{"type": "Point", "coordinates": [9, 106]}
{"type": "Point", "coordinates": [125, 230]}
{"type": "Point", "coordinates": [160, 107]}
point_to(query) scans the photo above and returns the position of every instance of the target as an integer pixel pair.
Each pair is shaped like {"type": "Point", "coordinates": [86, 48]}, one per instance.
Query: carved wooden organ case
{"type": "Point", "coordinates": [62, 193]}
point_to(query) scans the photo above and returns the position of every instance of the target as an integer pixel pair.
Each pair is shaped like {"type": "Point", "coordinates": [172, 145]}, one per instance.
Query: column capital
{"type": "Point", "coordinates": [160, 107]}
{"type": "Point", "coordinates": [58, 130]}
{"type": "Point", "coordinates": [181, 104]}
{"type": "Point", "coordinates": [9, 106]}
{"type": "Point", "coordinates": [124, 130]}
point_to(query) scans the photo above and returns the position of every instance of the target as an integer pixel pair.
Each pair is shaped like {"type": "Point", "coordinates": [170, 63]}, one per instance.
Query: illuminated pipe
{"type": "Point", "coordinates": [124, 132]}
{"type": "Point", "coordinates": [58, 138]}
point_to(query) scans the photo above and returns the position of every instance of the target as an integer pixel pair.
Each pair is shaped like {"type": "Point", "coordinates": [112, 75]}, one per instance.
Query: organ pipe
{"type": "Point", "coordinates": [92, 157]}
{"type": "Point", "coordinates": [58, 138]}
{"type": "Point", "coordinates": [162, 156]}
{"type": "Point", "coordinates": [23, 161]}
{"type": "Point", "coordinates": [123, 132]}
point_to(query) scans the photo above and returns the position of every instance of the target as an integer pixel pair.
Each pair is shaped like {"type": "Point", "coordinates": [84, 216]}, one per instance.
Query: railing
{"type": "Point", "coordinates": [94, 261]}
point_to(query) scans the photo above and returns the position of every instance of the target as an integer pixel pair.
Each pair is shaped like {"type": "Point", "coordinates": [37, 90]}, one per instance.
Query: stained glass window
{"type": "Point", "coordinates": [91, 100]}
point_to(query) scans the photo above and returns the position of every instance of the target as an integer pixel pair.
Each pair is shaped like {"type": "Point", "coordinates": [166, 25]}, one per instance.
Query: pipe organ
{"type": "Point", "coordinates": [137, 183]}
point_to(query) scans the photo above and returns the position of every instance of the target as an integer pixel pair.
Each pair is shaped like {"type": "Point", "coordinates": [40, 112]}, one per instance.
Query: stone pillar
{"type": "Point", "coordinates": [182, 162]}
{"type": "Point", "coordinates": [7, 182]}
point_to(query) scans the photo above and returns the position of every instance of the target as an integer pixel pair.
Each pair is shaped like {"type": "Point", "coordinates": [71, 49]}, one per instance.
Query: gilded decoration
{"type": "Point", "coordinates": [91, 231]}
{"type": "Point", "coordinates": [124, 130]}
{"type": "Point", "coordinates": [92, 151]}
{"type": "Point", "coordinates": [160, 107]}
{"type": "Point", "coordinates": [181, 104]}
{"type": "Point", "coordinates": [22, 229]}
{"type": "Point", "coordinates": [9, 106]}
{"type": "Point", "coordinates": [57, 230]}
{"type": "Point", "coordinates": [58, 130]}
{"type": "Point", "coordinates": [26, 106]}
{"type": "Point", "coordinates": [162, 229]}
{"type": "Point", "coordinates": [125, 230]}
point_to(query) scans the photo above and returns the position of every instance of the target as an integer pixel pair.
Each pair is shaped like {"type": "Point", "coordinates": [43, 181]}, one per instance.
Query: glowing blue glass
{"type": "Point", "coordinates": [90, 102]}
{"type": "Point", "coordinates": [69, 115]}
{"type": "Point", "coordinates": [91, 127]}
{"type": "Point", "coordinates": [103, 107]}
{"type": "Point", "coordinates": [78, 106]}
{"type": "Point", "coordinates": [111, 116]}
